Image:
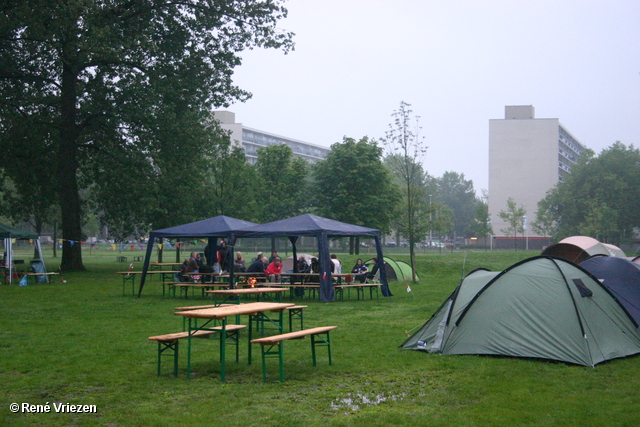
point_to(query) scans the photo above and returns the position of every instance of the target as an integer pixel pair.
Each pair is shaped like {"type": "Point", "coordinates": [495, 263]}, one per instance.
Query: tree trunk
{"type": "Point", "coordinates": [67, 175]}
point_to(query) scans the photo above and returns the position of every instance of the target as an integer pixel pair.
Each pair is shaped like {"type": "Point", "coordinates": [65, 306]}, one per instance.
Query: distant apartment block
{"type": "Point", "coordinates": [527, 157]}
{"type": "Point", "coordinates": [252, 139]}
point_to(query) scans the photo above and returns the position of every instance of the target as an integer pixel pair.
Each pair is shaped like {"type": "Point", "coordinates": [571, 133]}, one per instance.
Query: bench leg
{"type": "Point", "coordinates": [295, 313]}
{"type": "Point", "coordinates": [318, 340]}
{"type": "Point", "coordinates": [268, 350]}
{"type": "Point", "coordinates": [171, 346]}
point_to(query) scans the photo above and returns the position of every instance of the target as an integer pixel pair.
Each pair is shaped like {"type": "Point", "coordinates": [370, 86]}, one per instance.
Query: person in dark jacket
{"type": "Point", "coordinates": [258, 265]}
{"type": "Point", "coordinates": [360, 270]}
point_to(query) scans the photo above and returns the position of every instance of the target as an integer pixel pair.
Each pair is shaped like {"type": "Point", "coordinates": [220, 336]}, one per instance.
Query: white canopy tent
{"type": "Point", "coordinates": [9, 234]}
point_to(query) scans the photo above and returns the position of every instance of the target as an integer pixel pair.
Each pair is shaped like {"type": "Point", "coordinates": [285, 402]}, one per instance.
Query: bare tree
{"type": "Point", "coordinates": [405, 153]}
{"type": "Point", "coordinates": [514, 218]}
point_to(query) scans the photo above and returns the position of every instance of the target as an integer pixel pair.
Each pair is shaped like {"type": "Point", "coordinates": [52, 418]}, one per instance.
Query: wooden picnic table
{"type": "Point", "coordinates": [230, 293]}
{"type": "Point", "coordinates": [33, 276]}
{"type": "Point", "coordinates": [130, 276]}
{"type": "Point", "coordinates": [213, 275]}
{"type": "Point", "coordinates": [258, 313]}
{"type": "Point", "coordinates": [155, 265]}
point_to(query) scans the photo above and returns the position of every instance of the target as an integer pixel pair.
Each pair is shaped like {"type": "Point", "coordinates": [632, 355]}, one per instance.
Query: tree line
{"type": "Point", "coordinates": [105, 117]}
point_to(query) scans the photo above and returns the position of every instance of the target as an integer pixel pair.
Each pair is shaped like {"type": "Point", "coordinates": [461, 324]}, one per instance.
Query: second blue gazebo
{"type": "Point", "coordinates": [322, 229]}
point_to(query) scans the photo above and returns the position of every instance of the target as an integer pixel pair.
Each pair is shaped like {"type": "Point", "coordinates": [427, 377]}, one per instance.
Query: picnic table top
{"type": "Point", "coordinates": [245, 291]}
{"type": "Point", "coordinates": [234, 309]}
{"type": "Point", "coordinates": [148, 272]}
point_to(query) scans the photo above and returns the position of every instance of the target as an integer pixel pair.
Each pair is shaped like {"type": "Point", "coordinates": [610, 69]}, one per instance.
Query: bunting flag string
{"type": "Point", "coordinates": [71, 242]}
{"type": "Point", "coordinates": [123, 246]}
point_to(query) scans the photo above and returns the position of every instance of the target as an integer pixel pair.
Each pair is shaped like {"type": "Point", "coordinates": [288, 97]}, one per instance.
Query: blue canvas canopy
{"type": "Point", "coordinates": [212, 228]}
{"type": "Point", "coordinates": [621, 277]}
{"type": "Point", "coordinates": [322, 229]}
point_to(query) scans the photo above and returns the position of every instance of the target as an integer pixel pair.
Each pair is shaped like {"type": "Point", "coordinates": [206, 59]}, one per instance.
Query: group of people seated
{"type": "Point", "coordinates": [271, 267]}
{"type": "Point", "coordinates": [362, 272]}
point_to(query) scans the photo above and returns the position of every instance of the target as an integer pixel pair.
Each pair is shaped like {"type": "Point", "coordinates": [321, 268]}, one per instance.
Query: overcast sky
{"type": "Point", "coordinates": [458, 63]}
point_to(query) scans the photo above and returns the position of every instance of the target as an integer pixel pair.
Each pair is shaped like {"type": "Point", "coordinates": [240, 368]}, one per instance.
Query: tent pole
{"type": "Point", "coordinates": [40, 256]}
{"type": "Point", "coordinates": [8, 244]}
{"type": "Point", "coordinates": [145, 265]}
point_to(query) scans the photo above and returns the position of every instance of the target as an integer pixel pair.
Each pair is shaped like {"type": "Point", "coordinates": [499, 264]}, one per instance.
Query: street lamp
{"type": "Point", "coordinates": [430, 224]}
{"type": "Point", "coordinates": [526, 234]}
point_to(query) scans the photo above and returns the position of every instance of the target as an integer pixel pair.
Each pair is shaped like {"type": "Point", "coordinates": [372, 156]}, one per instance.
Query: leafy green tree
{"type": "Point", "coordinates": [353, 185]}
{"type": "Point", "coordinates": [482, 222]}
{"type": "Point", "coordinates": [442, 222]}
{"type": "Point", "coordinates": [600, 221]}
{"type": "Point", "coordinates": [406, 151]}
{"type": "Point", "coordinates": [514, 218]}
{"type": "Point", "coordinates": [230, 185]}
{"type": "Point", "coordinates": [28, 189]}
{"type": "Point", "coordinates": [127, 82]}
{"type": "Point", "coordinates": [282, 182]}
{"type": "Point", "coordinates": [599, 198]}
{"type": "Point", "coordinates": [458, 193]}
{"type": "Point", "coordinates": [544, 224]}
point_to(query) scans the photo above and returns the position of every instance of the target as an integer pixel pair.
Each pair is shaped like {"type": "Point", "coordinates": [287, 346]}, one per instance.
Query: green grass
{"type": "Point", "coordinates": [82, 342]}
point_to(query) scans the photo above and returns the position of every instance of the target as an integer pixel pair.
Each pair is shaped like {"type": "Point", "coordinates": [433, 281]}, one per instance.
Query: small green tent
{"type": "Point", "coordinates": [542, 307]}
{"type": "Point", "coordinates": [396, 270]}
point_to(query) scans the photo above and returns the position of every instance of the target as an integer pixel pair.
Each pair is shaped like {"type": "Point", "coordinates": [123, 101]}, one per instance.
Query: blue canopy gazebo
{"type": "Point", "coordinates": [213, 228]}
{"type": "Point", "coordinates": [322, 229]}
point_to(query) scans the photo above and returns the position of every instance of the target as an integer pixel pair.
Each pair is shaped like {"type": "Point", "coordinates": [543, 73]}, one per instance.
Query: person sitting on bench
{"type": "Point", "coordinates": [374, 270]}
{"type": "Point", "coordinates": [360, 271]}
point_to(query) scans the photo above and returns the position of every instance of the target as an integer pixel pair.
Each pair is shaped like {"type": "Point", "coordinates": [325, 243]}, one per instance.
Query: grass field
{"type": "Point", "coordinates": [83, 343]}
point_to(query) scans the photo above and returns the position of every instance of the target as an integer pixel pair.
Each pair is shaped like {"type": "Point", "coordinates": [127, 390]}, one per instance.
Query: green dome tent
{"type": "Point", "coordinates": [396, 270]}
{"type": "Point", "coordinates": [542, 307]}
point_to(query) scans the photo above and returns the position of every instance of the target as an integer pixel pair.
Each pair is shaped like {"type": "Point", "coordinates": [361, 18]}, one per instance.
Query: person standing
{"type": "Point", "coordinates": [337, 265]}
{"type": "Point", "coordinates": [223, 256]}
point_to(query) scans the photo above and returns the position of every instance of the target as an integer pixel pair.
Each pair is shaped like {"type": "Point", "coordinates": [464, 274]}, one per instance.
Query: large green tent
{"type": "Point", "coordinates": [542, 307]}
{"type": "Point", "coordinates": [9, 234]}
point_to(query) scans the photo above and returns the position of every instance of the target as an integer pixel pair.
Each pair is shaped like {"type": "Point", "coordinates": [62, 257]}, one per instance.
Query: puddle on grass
{"type": "Point", "coordinates": [355, 402]}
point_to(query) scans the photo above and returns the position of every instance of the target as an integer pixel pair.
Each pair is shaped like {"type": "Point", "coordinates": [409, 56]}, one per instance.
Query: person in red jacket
{"type": "Point", "coordinates": [274, 270]}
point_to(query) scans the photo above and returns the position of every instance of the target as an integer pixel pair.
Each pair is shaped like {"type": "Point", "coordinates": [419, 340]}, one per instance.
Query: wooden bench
{"type": "Point", "coordinates": [185, 286]}
{"type": "Point", "coordinates": [273, 346]}
{"type": "Point", "coordinates": [47, 275]}
{"type": "Point", "coordinates": [312, 287]}
{"type": "Point", "coordinates": [359, 287]}
{"type": "Point", "coordinates": [169, 342]}
{"type": "Point", "coordinates": [121, 258]}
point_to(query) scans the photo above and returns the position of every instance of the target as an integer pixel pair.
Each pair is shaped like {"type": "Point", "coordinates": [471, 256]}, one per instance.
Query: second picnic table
{"type": "Point", "coordinates": [257, 312]}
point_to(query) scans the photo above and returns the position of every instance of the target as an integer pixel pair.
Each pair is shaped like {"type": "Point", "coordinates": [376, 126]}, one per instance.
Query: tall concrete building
{"type": "Point", "coordinates": [527, 157]}
{"type": "Point", "coordinates": [251, 139]}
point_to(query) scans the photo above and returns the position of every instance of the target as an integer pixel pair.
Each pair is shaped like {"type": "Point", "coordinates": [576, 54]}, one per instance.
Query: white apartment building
{"type": "Point", "coordinates": [527, 157]}
{"type": "Point", "coordinates": [252, 139]}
